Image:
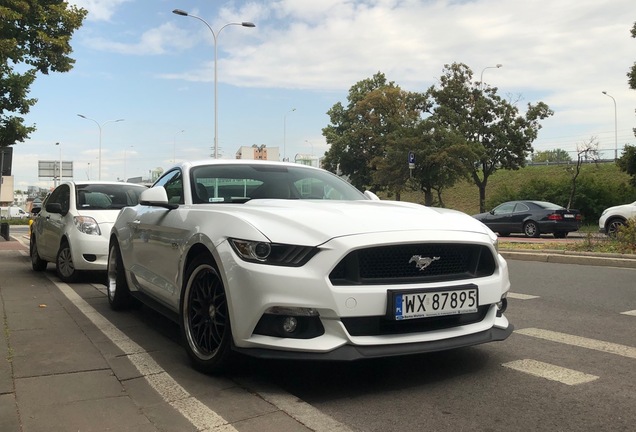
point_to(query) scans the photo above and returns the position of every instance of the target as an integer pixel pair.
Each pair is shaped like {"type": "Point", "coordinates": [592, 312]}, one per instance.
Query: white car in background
{"type": "Point", "coordinates": [281, 260]}
{"type": "Point", "coordinates": [615, 217]}
{"type": "Point", "coordinates": [73, 226]}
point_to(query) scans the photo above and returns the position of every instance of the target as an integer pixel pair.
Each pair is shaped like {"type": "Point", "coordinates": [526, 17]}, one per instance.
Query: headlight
{"type": "Point", "coordinates": [87, 225]}
{"type": "Point", "coordinates": [272, 253]}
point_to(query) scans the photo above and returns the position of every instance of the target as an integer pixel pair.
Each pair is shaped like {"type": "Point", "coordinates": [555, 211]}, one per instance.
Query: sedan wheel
{"type": "Point", "coordinates": [37, 263]}
{"type": "Point", "coordinates": [531, 229]}
{"type": "Point", "coordinates": [560, 234]}
{"type": "Point", "coordinates": [205, 323]}
{"type": "Point", "coordinates": [64, 262]}
{"type": "Point", "coordinates": [117, 288]}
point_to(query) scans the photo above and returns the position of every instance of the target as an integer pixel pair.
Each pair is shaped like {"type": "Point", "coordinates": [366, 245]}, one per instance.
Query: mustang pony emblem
{"type": "Point", "coordinates": [422, 262]}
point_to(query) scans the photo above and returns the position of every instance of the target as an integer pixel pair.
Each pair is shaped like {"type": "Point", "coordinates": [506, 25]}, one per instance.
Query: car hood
{"type": "Point", "coordinates": [289, 221]}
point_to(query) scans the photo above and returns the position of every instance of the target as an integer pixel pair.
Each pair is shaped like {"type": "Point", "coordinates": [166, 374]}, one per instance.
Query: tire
{"type": "Point", "coordinates": [64, 263]}
{"type": "Point", "coordinates": [531, 229]}
{"type": "Point", "coordinates": [37, 263]}
{"type": "Point", "coordinates": [613, 226]}
{"type": "Point", "coordinates": [204, 318]}
{"type": "Point", "coordinates": [117, 289]}
{"type": "Point", "coordinates": [560, 234]}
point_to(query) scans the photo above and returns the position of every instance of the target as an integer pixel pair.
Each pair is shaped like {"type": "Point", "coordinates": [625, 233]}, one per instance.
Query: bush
{"type": "Point", "coordinates": [626, 236]}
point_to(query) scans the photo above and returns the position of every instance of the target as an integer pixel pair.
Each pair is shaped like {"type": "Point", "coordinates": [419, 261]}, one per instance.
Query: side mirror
{"type": "Point", "coordinates": [371, 195]}
{"type": "Point", "coordinates": [157, 197]}
{"type": "Point", "coordinates": [54, 208]}
{"type": "Point", "coordinates": [36, 210]}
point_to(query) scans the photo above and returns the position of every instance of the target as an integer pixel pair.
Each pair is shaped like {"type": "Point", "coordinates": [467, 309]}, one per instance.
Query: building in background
{"type": "Point", "coordinates": [6, 191]}
{"type": "Point", "coordinates": [256, 152]}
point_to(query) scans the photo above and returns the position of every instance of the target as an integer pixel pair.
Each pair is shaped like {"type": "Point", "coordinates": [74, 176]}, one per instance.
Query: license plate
{"type": "Point", "coordinates": [432, 303]}
{"type": "Point", "coordinates": [568, 216]}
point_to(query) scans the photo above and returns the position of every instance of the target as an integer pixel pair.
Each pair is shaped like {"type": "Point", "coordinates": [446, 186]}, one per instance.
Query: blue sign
{"type": "Point", "coordinates": [411, 157]}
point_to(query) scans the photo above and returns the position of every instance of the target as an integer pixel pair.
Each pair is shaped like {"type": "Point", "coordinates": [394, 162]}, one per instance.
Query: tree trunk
{"type": "Point", "coordinates": [428, 197]}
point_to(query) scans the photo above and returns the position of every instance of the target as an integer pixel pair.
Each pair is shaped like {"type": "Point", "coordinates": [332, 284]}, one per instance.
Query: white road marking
{"type": "Point", "coordinates": [608, 347]}
{"type": "Point", "coordinates": [522, 296]}
{"type": "Point", "coordinates": [551, 372]}
{"type": "Point", "coordinates": [197, 413]}
{"type": "Point", "coordinates": [631, 312]}
{"type": "Point", "coordinates": [296, 408]}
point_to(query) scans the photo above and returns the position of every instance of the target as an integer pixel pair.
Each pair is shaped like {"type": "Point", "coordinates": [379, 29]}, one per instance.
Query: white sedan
{"type": "Point", "coordinates": [279, 260]}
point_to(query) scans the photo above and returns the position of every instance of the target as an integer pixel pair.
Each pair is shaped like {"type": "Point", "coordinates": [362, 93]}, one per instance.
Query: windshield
{"type": "Point", "coordinates": [240, 183]}
{"type": "Point", "coordinates": [107, 196]}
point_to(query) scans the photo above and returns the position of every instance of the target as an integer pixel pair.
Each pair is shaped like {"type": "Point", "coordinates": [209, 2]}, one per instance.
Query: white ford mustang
{"type": "Point", "coordinates": [280, 260]}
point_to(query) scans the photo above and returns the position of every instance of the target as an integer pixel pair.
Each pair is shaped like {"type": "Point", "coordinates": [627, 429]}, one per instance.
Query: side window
{"type": "Point", "coordinates": [62, 196]}
{"type": "Point", "coordinates": [172, 182]}
{"type": "Point", "coordinates": [521, 208]}
{"type": "Point", "coordinates": [504, 208]}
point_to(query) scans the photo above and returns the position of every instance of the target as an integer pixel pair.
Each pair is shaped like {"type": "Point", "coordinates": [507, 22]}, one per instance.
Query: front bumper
{"type": "Point", "coordinates": [351, 353]}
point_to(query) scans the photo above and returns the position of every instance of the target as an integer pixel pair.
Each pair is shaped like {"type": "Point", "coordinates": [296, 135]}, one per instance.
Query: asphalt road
{"type": "Point", "coordinates": [569, 366]}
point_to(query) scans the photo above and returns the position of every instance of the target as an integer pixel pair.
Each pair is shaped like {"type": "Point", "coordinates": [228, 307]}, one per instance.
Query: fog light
{"type": "Point", "coordinates": [502, 306]}
{"type": "Point", "coordinates": [290, 324]}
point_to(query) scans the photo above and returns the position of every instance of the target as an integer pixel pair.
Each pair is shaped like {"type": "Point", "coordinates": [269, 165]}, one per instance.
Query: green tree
{"type": "Point", "coordinates": [352, 145]}
{"type": "Point", "coordinates": [627, 162]}
{"type": "Point", "coordinates": [497, 135]}
{"type": "Point", "coordinates": [632, 72]}
{"type": "Point", "coordinates": [556, 155]}
{"type": "Point", "coordinates": [34, 38]}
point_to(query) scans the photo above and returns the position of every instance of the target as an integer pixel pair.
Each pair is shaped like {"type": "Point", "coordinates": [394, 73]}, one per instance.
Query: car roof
{"type": "Point", "coordinates": [192, 164]}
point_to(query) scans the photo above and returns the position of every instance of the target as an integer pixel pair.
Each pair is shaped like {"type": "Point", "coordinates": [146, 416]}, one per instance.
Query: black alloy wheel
{"type": "Point", "coordinates": [205, 322]}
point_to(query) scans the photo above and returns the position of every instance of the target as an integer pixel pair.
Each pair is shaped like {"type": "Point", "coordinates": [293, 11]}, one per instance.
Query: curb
{"type": "Point", "coordinates": [563, 257]}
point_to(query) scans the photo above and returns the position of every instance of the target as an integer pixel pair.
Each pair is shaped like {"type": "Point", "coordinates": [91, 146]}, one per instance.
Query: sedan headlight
{"type": "Point", "coordinates": [272, 253]}
{"type": "Point", "coordinates": [87, 225]}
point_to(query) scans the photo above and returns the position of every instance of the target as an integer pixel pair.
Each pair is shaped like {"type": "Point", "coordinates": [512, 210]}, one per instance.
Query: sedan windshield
{"type": "Point", "coordinates": [107, 196]}
{"type": "Point", "coordinates": [241, 183]}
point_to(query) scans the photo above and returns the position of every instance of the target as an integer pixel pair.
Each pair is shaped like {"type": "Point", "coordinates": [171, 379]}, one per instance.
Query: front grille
{"type": "Point", "coordinates": [397, 264]}
{"type": "Point", "coordinates": [380, 325]}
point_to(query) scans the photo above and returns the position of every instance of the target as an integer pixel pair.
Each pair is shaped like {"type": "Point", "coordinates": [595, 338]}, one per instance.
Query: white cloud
{"type": "Point", "coordinates": [155, 41]}
{"type": "Point", "coordinates": [99, 10]}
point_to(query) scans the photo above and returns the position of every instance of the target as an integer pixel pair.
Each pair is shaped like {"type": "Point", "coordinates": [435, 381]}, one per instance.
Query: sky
{"type": "Point", "coordinates": [138, 62]}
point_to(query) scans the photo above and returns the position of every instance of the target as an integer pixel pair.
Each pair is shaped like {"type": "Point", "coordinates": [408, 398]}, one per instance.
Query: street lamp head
{"type": "Point", "coordinates": [498, 65]}
{"type": "Point", "coordinates": [604, 92]}
{"type": "Point", "coordinates": [248, 24]}
{"type": "Point", "coordinates": [180, 12]}
{"type": "Point", "coordinates": [81, 115]}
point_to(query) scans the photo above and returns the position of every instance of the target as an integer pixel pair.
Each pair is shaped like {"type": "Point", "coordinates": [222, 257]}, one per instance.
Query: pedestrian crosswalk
{"type": "Point", "coordinates": [558, 373]}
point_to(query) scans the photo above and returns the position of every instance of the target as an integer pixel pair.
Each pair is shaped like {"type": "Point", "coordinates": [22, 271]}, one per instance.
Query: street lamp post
{"type": "Point", "coordinates": [174, 146]}
{"type": "Point", "coordinates": [285, 134]}
{"type": "Point", "coordinates": [615, 126]}
{"type": "Point", "coordinates": [59, 170]}
{"type": "Point", "coordinates": [481, 78]}
{"type": "Point", "coordinates": [214, 36]}
{"type": "Point", "coordinates": [125, 180]}
{"type": "Point", "coordinates": [99, 157]}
